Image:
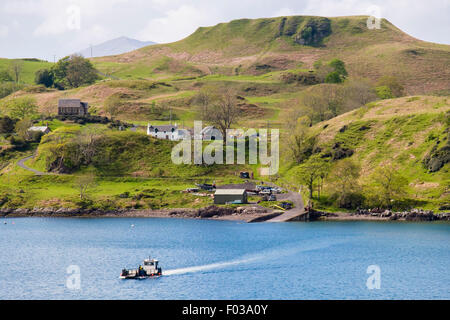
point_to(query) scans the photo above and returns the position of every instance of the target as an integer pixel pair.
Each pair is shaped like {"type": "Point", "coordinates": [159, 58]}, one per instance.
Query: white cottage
{"type": "Point", "coordinates": [167, 132]}
{"type": "Point", "coordinates": [43, 129]}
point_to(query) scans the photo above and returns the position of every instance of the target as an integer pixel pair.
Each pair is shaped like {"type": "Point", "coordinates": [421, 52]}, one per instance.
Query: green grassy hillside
{"type": "Point", "coordinates": [265, 45]}
{"type": "Point", "coordinates": [129, 170]}
{"type": "Point", "coordinates": [29, 68]}
{"type": "Point", "coordinates": [401, 133]}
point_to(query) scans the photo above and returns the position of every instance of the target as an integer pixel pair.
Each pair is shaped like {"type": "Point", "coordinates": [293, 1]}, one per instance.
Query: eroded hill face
{"type": "Point", "coordinates": [259, 46]}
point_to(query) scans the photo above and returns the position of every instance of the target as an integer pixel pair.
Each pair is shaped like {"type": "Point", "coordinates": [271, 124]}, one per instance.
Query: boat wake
{"type": "Point", "coordinates": [269, 254]}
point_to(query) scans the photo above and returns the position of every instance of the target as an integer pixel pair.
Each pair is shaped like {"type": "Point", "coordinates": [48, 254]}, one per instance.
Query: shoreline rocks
{"type": "Point", "coordinates": [248, 213]}
{"type": "Point", "coordinates": [412, 215]}
{"type": "Point", "coordinates": [211, 212]}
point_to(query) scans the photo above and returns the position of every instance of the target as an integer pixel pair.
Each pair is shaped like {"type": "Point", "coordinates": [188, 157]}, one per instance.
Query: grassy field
{"type": "Point", "coordinates": [29, 68]}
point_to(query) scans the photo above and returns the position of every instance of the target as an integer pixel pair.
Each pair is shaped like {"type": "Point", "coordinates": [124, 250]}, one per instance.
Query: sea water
{"type": "Point", "coordinates": [82, 258]}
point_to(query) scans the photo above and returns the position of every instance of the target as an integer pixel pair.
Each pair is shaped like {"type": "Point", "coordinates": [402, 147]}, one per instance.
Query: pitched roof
{"type": "Point", "coordinates": [42, 129]}
{"type": "Point", "coordinates": [162, 128]}
{"type": "Point", "coordinates": [229, 192]}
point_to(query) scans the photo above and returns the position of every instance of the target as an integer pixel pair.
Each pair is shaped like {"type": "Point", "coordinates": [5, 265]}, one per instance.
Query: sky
{"type": "Point", "coordinates": [50, 29]}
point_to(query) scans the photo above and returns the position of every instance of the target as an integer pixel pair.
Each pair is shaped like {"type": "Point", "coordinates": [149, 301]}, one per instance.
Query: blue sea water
{"type": "Point", "coordinates": [203, 259]}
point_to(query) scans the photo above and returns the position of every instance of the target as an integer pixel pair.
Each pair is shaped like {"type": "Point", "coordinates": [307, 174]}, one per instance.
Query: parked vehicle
{"type": "Point", "coordinates": [244, 175]}
{"type": "Point", "coordinates": [286, 205]}
{"type": "Point", "coordinates": [266, 191]}
{"type": "Point", "coordinates": [277, 190]}
{"type": "Point", "coordinates": [205, 186]}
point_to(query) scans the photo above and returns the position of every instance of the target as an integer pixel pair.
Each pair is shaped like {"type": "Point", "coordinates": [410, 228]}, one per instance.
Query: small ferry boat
{"type": "Point", "coordinates": [149, 269]}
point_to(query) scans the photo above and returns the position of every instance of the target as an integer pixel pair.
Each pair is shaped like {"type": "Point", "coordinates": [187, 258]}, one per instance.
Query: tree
{"type": "Point", "coordinates": [74, 71]}
{"type": "Point", "coordinates": [344, 184]}
{"type": "Point", "coordinates": [6, 125]}
{"type": "Point", "coordinates": [332, 72]}
{"type": "Point", "coordinates": [84, 183]}
{"type": "Point", "coordinates": [16, 67]}
{"type": "Point", "coordinates": [224, 111]}
{"type": "Point", "coordinates": [311, 172]}
{"type": "Point", "coordinates": [301, 143]}
{"type": "Point", "coordinates": [22, 127]}
{"type": "Point", "coordinates": [339, 67]}
{"type": "Point", "coordinates": [333, 77]}
{"type": "Point", "coordinates": [325, 100]}
{"type": "Point", "coordinates": [44, 77]}
{"type": "Point", "coordinates": [5, 76]}
{"type": "Point", "coordinates": [203, 100]}
{"type": "Point", "coordinates": [23, 107]}
{"type": "Point", "coordinates": [356, 93]}
{"type": "Point", "coordinates": [87, 142]}
{"type": "Point", "coordinates": [390, 185]}
{"type": "Point", "coordinates": [112, 105]}
{"type": "Point", "coordinates": [80, 71]}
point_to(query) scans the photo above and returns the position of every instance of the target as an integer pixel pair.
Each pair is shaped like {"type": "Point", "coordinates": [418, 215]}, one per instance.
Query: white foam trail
{"type": "Point", "coordinates": [270, 254]}
{"type": "Point", "coordinates": [206, 267]}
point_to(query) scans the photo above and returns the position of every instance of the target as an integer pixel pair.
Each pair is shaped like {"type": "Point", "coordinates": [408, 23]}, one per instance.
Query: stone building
{"type": "Point", "coordinates": [72, 107]}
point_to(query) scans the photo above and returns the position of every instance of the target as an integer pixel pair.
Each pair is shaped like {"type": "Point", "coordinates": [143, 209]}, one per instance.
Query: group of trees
{"type": "Point", "coordinates": [325, 101]}
{"type": "Point", "coordinates": [331, 72]}
{"type": "Point", "coordinates": [69, 72]}
{"type": "Point", "coordinates": [382, 188]}
{"type": "Point", "coordinates": [15, 125]}
{"type": "Point", "coordinates": [69, 155]}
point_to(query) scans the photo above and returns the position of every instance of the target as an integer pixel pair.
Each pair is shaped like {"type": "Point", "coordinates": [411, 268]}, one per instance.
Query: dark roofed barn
{"type": "Point", "coordinates": [72, 107]}
{"type": "Point", "coordinates": [223, 196]}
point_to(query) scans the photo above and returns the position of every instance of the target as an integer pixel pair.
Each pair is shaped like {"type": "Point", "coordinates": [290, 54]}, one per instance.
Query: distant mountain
{"type": "Point", "coordinates": [113, 47]}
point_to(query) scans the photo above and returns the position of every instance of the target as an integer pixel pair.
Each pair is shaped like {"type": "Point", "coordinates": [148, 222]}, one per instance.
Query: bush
{"type": "Point", "coordinates": [396, 89]}
{"type": "Point", "coordinates": [333, 77]}
{"type": "Point", "coordinates": [18, 142]}
{"type": "Point", "coordinates": [44, 77]}
{"type": "Point", "coordinates": [7, 125]}
{"type": "Point", "coordinates": [339, 67]}
{"type": "Point", "coordinates": [5, 76]}
{"type": "Point", "coordinates": [384, 92]}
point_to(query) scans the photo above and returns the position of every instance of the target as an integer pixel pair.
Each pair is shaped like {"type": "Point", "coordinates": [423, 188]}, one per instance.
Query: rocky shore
{"type": "Point", "coordinates": [383, 215]}
{"type": "Point", "coordinates": [211, 212]}
{"type": "Point", "coordinates": [245, 213]}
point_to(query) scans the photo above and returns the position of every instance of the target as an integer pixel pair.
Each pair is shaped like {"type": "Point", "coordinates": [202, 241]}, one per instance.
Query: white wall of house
{"type": "Point", "coordinates": [175, 135]}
